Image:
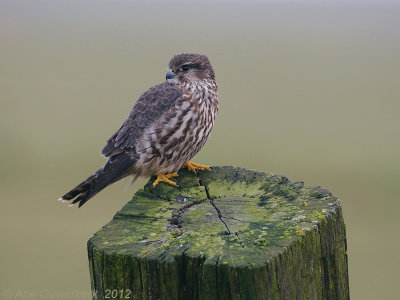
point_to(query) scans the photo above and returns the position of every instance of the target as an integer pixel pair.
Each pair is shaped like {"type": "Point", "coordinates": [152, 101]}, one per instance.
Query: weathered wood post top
{"type": "Point", "coordinates": [230, 233]}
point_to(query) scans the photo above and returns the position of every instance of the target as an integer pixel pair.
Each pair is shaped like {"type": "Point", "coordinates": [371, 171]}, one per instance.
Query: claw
{"type": "Point", "coordinates": [165, 178]}
{"type": "Point", "coordinates": [194, 167]}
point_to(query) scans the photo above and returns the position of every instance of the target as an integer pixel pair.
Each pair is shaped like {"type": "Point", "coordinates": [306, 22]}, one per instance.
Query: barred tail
{"type": "Point", "coordinates": [114, 170]}
{"type": "Point", "coordinates": [83, 191]}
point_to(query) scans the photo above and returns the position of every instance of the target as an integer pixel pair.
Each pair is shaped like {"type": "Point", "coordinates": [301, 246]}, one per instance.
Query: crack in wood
{"type": "Point", "coordinates": [177, 214]}
{"type": "Point", "coordinates": [220, 216]}
{"type": "Point", "coordinates": [240, 240]}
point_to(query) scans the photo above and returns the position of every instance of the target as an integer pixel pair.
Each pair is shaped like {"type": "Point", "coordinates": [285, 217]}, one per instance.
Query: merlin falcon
{"type": "Point", "coordinates": [167, 126]}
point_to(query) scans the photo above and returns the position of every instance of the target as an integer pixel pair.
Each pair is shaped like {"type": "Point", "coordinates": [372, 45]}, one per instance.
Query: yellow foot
{"type": "Point", "coordinates": [193, 167]}
{"type": "Point", "coordinates": [165, 178]}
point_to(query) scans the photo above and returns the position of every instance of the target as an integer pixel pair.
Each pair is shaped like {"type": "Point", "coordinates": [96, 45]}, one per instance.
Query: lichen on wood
{"type": "Point", "coordinates": [230, 233]}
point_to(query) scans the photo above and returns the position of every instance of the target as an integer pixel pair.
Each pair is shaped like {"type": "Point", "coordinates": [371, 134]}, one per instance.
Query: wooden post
{"type": "Point", "coordinates": [230, 233]}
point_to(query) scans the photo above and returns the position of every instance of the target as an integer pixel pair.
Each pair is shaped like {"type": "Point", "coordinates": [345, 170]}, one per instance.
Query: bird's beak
{"type": "Point", "coordinates": [170, 74]}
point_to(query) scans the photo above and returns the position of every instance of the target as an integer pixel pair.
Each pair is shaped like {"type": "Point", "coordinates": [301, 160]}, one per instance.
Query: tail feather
{"type": "Point", "coordinates": [83, 191]}
{"type": "Point", "coordinates": [113, 171]}
{"type": "Point", "coordinates": [80, 188]}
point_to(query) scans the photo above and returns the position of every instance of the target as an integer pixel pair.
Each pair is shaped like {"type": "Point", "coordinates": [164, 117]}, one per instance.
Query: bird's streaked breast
{"type": "Point", "coordinates": [180, 133]}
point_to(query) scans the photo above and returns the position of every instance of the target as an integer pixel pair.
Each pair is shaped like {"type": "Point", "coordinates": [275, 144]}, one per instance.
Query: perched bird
{"type": "Point", "coordinates": [167, 126]}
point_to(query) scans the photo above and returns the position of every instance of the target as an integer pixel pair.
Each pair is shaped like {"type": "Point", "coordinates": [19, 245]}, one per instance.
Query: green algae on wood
{"type": "Point", "coordinates": [227, 234]}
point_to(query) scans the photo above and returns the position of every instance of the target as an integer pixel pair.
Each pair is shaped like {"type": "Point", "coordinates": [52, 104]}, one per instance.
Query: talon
{"type": "Point", "coordinates": [193, 167]}
{"type": "Point", "coordinates": [165, 178]}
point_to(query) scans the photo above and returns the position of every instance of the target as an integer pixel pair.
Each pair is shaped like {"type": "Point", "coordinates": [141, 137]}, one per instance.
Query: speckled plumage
{"type": "Point", "coordinates": [168, 125]}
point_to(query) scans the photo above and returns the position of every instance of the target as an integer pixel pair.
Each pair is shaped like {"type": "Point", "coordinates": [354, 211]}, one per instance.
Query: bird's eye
{"type": "Point", "coordinates": [184, 68]}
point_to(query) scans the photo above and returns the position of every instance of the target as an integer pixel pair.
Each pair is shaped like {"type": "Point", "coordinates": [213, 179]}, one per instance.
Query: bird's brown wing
{"type": "Point", "coordinates": [149, 108]}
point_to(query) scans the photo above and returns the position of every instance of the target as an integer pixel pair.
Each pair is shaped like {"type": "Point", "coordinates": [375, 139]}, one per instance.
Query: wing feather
{"type": "Point", "coordinates": [149, 108]}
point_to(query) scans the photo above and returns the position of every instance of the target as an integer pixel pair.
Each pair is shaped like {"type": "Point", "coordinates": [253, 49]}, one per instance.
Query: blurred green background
{"type": "Point", "coordinates": [308, 89]}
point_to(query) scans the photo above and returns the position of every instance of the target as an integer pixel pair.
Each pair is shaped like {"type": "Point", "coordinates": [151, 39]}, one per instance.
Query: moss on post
{"type": "Point", "coordinates": [228, 234]}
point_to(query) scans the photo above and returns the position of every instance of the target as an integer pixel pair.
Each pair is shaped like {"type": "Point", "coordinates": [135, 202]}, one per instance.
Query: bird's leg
{"type": "Point", "coordinates": [165, 178]}
{"type": "Point", "coordinates": [193, 167]}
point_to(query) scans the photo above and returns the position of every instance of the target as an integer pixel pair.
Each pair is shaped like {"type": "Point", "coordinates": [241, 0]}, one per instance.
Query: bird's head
{"type": "Point", "coordinates": [189, 68]}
